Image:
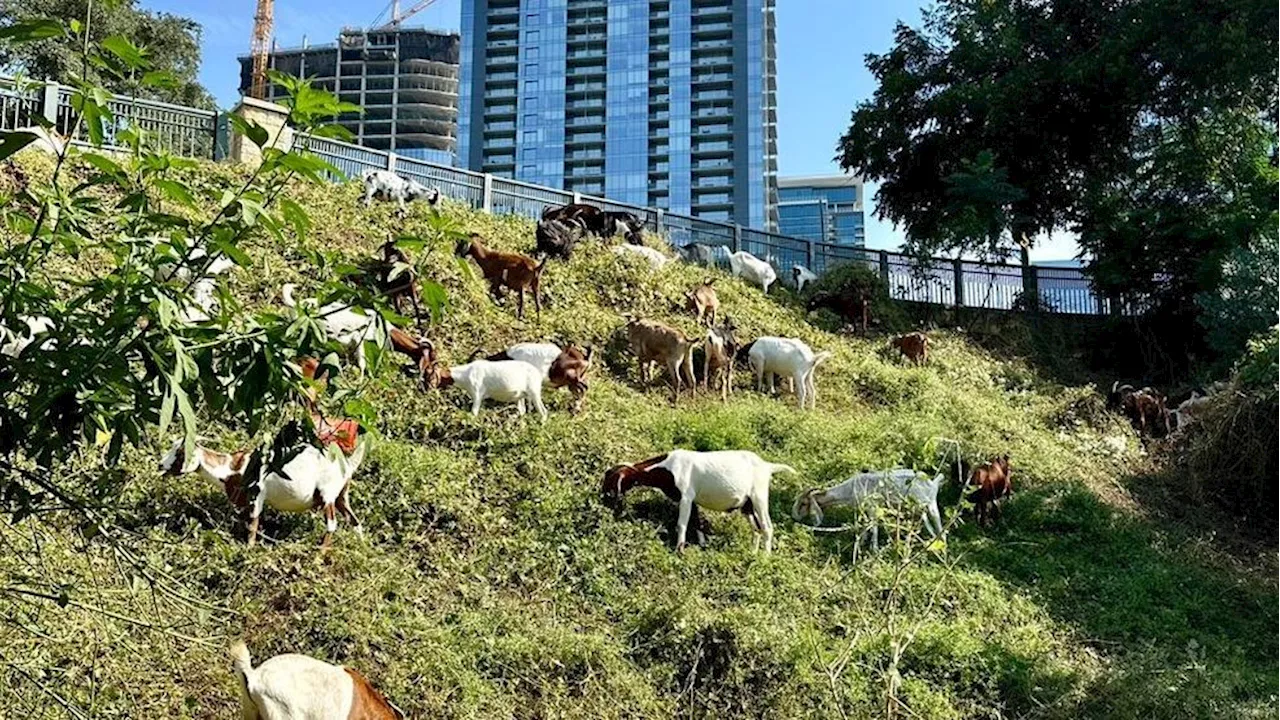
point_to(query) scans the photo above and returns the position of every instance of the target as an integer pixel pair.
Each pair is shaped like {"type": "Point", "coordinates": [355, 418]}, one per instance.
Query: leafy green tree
{"type": "Point", "coordinates": [171, 44]}
{"type": "Point", "coordinates": [1145, 126]}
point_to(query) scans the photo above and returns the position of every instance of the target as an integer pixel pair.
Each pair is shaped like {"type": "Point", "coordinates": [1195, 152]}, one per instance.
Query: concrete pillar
{"type": "Point", "coordinates": [270, 117]}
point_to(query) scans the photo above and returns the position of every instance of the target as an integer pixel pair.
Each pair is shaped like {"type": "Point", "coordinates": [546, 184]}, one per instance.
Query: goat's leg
{"type": "Point", "coordinates": [330, 525]}
{"type": "Point", "coordinates": [520, 304]}
{"type": "Point", "coordinates": [476, 402]}
{"type": "Point", "coordinates": [673, 368]}
{"type": "Point", "coordinates": [706, 372]}
{"type": "Point", "coordinates": [541, 408]}
{"type": "Point", "coordinates": [520, 407]}
{"type": "Point", "coordinates": [255, 512]}
{"type": "Point", "coordinates": [682, 522]}
{"type": "Point", "coordinates": [537, 296]}
{"type": "Point", "coordinates": [344, 506]}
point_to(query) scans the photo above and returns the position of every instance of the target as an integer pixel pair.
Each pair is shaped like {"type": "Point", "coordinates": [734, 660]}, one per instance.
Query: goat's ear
{"type": "Point", "coordinates": [709, 281]}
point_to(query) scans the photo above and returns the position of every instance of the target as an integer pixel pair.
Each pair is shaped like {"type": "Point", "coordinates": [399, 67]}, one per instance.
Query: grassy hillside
{"type": "Point", "coordinates": [491, 583]}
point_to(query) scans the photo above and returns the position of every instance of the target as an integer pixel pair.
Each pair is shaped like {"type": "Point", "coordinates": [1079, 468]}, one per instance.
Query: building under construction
{"type": "Point", "coordinates": [405, 79]}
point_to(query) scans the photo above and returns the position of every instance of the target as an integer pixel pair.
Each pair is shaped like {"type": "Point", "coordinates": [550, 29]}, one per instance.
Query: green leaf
{"type": "Point", "coordinates": [12, 142]}
{"type": "Point", "coordinates": [41, 29]}
{"type": "Point", "coordinates": [166, 409]}
{"type": "Point", "coordinates": [256, 133]}
{"type": "Point", "coordinates": [103, 163]}
{"type": "Point", "coordinates": [292, 213]}
{"type": "Point", "coordinates": [435, 297]}
{"type": "Point", "coordinates": [333, 130]}
{"type": "Point", "coordinates": [129, 54]}
{"type": "Point", "coordinates": [161, 79]}
{"type": "Point", "coordinates": [175, 192]}
{"type": "Point", "coordinates": [232, 251]}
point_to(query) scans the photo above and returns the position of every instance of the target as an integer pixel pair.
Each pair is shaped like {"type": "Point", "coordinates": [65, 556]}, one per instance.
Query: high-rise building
{"type": "Point", "coordinates": [822, 208]}
{"type": "Point", "coordinates": [666, 103]}
{"type": "Point", "coordinates": [405, 79]}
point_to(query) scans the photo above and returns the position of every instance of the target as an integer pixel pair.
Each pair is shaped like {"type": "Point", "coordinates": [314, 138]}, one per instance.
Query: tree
{"type": "Point", "coordinates": [171, 44]}
{"type": "Point", "coordinates": [1145, 126]}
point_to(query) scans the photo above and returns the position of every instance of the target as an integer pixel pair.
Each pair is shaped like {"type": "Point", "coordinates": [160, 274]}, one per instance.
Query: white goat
{"type": "Point", "coordinates": [13, 343]}
{"type": "Point", "coordinates": [721, 480]}
{"type": "Point", "coordinates": [1187, 414]}
{"type": "Point", "coordinates": [866, 491]}
{"type": "Point", "coordinates": [311, 479]}
{"type": "Point", "coordinates": [787, 357]}
{"type": "Point", "coordinates": [802, 276]}
{"type": "Point", "coordinates": [752, 269]}
{"type": "Point", "coordinates": [654, 257]}
{"type": "Point", "coordinates": [539, 355]}
{"type": "Point", "coordinates": [502, 380]}
{"type": "Point", "coordinates": [297, 686]}
{"type": "Point", "coordinates": [347, 325]}
{"type": "Point", "coordinates": [387, 185]}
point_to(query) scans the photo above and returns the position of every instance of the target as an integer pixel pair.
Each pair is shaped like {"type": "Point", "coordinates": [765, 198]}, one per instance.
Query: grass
{"type": "Point", "coordinates": [491, 582]}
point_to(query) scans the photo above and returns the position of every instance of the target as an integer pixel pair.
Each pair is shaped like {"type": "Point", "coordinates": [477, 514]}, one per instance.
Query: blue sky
{"type": "Point", "coordinates": [821, 74]}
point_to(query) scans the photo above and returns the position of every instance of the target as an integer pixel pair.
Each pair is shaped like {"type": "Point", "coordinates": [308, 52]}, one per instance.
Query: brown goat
{"type": "Point", "coordinates": [853, 305]}
{"type": "Point", "coordinates": [398, 287]}
{"type": "Point", "coordinates": [570, 370]}
{"type": "Point", "coordinates": [913, 346]}
{"type": "Point", "coordinates": [1147, 412]}
{"type": "Point", "coordinates": [652, 341]}
{"type": "Point", "coordinates": [503, 269]}
{"type": "Point", "coordinates": [703, 302]}
{"type": "Point", "coordinates": [719, 350]}
{"type": "Point", "coordinates": [993, 482]}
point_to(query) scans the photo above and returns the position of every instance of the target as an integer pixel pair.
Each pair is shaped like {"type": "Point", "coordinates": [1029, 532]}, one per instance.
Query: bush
{"type": "Point", "coordinates": [855, 279]}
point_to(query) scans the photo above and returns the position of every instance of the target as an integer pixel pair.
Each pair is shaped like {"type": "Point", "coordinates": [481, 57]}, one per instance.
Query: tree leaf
{"type": "Point", "coordinates": [175, 191]}
{"type": "Point", "coordinates": [166, 409]}
{"type": "Point", "coordinates": [12, 142]}
{"type": "Point", "coordinates": [333, 130]}
{"type": "Point", "coordinates": [128, 53]}
{"type": "Point", "coordinates": [292, 213]}
{"type": "Point", "coordinates": [256, 133]}
{"type": "Point", "coordinates": [41, 29]}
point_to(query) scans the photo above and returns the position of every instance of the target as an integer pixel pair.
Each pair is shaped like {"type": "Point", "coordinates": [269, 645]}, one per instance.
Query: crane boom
{"type": "Point", "coordinates": [259, 46]}
{"type": "Point", "coordinates": [398, 17]}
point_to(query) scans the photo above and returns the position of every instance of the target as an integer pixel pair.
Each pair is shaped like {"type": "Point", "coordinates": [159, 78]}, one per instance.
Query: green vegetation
{"type": "Point", "coordinates": [491, 582]}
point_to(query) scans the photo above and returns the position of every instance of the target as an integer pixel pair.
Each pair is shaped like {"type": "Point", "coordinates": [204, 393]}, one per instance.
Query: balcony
{"type": "Point", "coordinates": [584, 120]}
{"type": "Point", "coordinates": [713, 112]}
{"type": "Point", "coordinates": [585, 70]}
{"type": "Point", "coordinates": [593, 104]}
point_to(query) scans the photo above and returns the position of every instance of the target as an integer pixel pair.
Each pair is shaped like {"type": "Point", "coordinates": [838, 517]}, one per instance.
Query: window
{"type": "Point", "coordinates": [530, 120]}
{"type": "Point", "coordinates": [531, 69]}
{"type": "Point", "coordinates": [530, 136]}
{"type": "Point", "coordinates": [531, 53]}
{"type": "Point", "coordinates": [531, 86]}
{"type": "Point", "coordinates": [528, 171]}
{"type": "Point", "coordinates": [531, 103]}
{"type": "Point", "coordinates": [531, 36]}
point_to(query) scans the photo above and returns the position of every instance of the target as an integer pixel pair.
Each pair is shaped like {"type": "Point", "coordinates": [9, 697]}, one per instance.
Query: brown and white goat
{"type": "Point", "coordinates": [570, 369]}
{"type": "Point", "coordinates": [703, 302]}
{"type": "Point", "coordinates": [655, 342]}
{"type": "Point", "coordinates": [913, 346]}
{"type": "Point", "coordinates": [993, 482]}
{"type": "Point", "coordinates": [1145, 409]}
{"type": "Point", "coordinates": [719, 350]}
{"type": "Point", "coordinates": [343, 432]}
{"type": "Point", "coordinates": [503, 269]}
{"type": "Point", "coordinates": [299, 686]}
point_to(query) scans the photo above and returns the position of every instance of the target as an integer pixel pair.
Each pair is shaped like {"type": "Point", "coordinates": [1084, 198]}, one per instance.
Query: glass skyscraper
{"type": "Point", "coordinates": [666, 103]}
{"type": "Point", "coordinates": [823, 208]}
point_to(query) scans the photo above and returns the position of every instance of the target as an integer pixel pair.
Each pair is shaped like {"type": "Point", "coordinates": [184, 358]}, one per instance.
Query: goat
{"type": "Point", "coordinates": [555, 238]}
{"type": "Point", "coordinates": [703, 302]}
{"type": "Point", "coordinates": [652, 341]}
{"type": "Point", "coordinates": [655, 258]}
{"type": "Point", "coordinates": [503, 269]}
{"type": "Point", "coordinates": [539, 355]}
{"type": "Point", "coordinates": [298, 686]}
{"type": "Point", "coordinates": [502, 380]}
{"type": "Point", "coordinates": [1189, 410]}
{"type": "Point", "coordinates": [347, 326]}
{"type": "Point", "coordinates": [617, 219]}
{"type": "Point", "coordinates": [588, 217]}
{"type": "Point", "coordinates": [994, 483]}
{"type": "Point", "coordinates": [787, 357]}
{"type": "Point", "coordinates": [342, 432]}
{"type": "Point", "coordinates": [1145, 409]}
{"type": "Point", "coordinates": [719, 350]}
{"type": "Point", "coordinates": [913, 346]}
{"type": "Point", "coordinates": [386, 185]}
{"type": "Point", "coordinates": [853, 306]}
{"type": "Point", "coordinates": [392, 275]}
{"type": "Point", "coordinates": [414, 348]}
{"type": "Point", "coordinates": [890, 488]}
{"type": "Point", "coordinates": [752, 269]}
{"type": "Point", "coordinates": [720, 480]}
{"type": "Point", "coordinates": [570, 369]}
{"type": "Point", "coordinates": [289, 478]}
{"type": "Point", "coordinates": [802, 276]}
{"type": "Point", "coordinates": [701, 254]}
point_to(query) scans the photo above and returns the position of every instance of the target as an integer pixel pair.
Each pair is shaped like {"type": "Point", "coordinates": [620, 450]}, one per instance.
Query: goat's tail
{"type": "Point", "coordinates": [243, 665]}
{"type": "Point", "coordinates": [820, 358]}
{"type": "Point", "coordinates": [356, 457]}
{"type": "Point", "coordinates": [587, 357]}
{"type": "Point", "coordinates": [779, 467]}
{"type": "Point", "coordinates": [286, 292]}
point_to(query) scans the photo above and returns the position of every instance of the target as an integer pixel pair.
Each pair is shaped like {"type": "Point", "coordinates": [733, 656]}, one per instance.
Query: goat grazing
{"type": "Point", "coordinates": [993, 482]}
{"type": "Point", "coordinates": [864, 491]}
{"type": "Point", "coordinates": [555, 238]}
{"type": "Point", "coordinates": [502, 380]}
{"type": "Point", "coordinates": [703, 302]}
{"type": "Point", "coordinates": [309, 479]}
{"type": "Point", "coordinates": [620, 220]}
{"type": "Point", "coordinates": [701, 254]}
{"type": "Point", "coordinates": [852, 305]}
{"type": "Point", "coordinates": [718, 352]}
{"type": "Point", "coordinates": [652, 341]}
{"type": "Point", "coordinates": [503, 269]}
{"type": "Point", "coordinates": [721, 480]}
{"type": "Point", "coordinates": [347, 326]}
{"type": "Point", "coordinates": [655, 258]}
{"type": "Point", "coordinates": [392, 275]}
{"type": "Point", "coordinates": [570, 369]}
{"type": "Point", "coordinates": [386, 185]}
{"type": "Point", "coordinates": [913, 346]}
{"type": "Point", "coordinates": [291, 686]}
{"type": "Point", "coordinates": [787, 357]}
{"type": "Point", "coordinates": [539, 355]}
{"type": "Point", "coordinates": [752, 269]}
{"type": "Point", "coordinates": [802, 276]}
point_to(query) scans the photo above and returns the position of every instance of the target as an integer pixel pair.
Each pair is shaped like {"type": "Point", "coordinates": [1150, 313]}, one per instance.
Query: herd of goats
{"type": "Point", "coordinates": [310, 466]}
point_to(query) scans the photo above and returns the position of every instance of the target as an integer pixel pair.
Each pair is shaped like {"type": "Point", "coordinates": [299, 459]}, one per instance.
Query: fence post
{"type": "Point", "coordinates": [50, 102]}
{"type": "Point", "coordinates": [737, 237]}
{"type": "Point", "coordinates": [486, 201]}
{"type": "Point", "coordinates": [391, 161]}
{"type": "Point", "coordinates": [1030, 288]}
{"type": "Point", "coordinates": [808, 257]}
{"type": "Point", "coordinates": [577, 198]}
{"type": "Point", "coordinates": [958, 268]}
{"type": "Point", "coordinates": [657, 222]}
{"type": "Point", "coordinates": [884, 267]}
{"type": "Point", "coordinates": [221, 137]}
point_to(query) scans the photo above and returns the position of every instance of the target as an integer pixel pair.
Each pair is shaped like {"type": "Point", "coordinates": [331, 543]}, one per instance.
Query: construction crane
{"type": "Point", "coordinates": [263, 21]}
{"type": "Point", "coordinates": [398, 17]}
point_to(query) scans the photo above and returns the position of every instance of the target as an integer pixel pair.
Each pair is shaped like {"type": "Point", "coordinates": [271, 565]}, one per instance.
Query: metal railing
{"type": "Point", "coordinates": [181, 130]}
{"type": "Point", "coordinates": [962, 283]}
